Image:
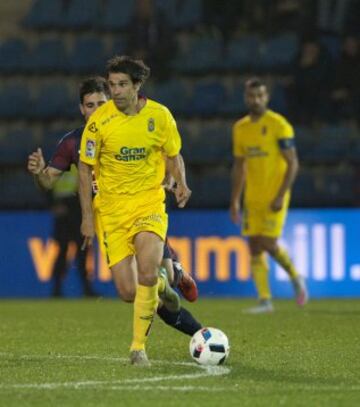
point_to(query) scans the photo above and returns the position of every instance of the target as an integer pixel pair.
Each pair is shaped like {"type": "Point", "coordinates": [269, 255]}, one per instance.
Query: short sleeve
{"type": "Point", "coordinates": [62, 157]}
{"type": "Point", "coordinates": [238, 150]}
{"type": "Point", "coordinates": [172, 145]}
{"type": "Point", "coordinates": [90, 143]}
{"type": "Point", "coordinates": [285, 135]}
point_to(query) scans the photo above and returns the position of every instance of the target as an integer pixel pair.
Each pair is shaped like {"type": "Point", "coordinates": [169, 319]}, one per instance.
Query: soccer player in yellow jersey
{"type": "Point", "coordinates": [128, 140]}
{"type": "Point", "coordinates": [265, 162]}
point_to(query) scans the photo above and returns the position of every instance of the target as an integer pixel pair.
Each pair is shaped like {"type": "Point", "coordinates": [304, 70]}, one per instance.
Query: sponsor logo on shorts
{"type": "Point", "coordinates": [148, 220]}
{"type": "Point", "coordinates": [128, 154]}
{"type": "Point", "coordinates": [90, 148]}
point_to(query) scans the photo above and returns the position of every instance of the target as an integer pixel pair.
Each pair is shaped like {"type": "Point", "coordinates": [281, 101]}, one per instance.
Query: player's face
{"type": "Point", "coordinates": [91, 102]}
{"type": "Point", "coordinates": [256, 99]}
{"type": "Point", "coordinates": [123, 90]}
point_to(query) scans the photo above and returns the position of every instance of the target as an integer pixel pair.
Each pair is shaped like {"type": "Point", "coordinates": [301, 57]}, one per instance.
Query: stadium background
{"type": "Point", "coordinates": [200, 53]}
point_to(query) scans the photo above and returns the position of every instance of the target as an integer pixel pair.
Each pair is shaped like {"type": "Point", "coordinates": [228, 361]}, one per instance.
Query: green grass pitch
{"type": "Point", "coordinates": [74, 353]}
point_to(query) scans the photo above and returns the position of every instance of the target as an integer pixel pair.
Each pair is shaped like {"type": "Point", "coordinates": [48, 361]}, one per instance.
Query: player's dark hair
{"type": "Point", "coordinates": [135, 68]}
{"type": "Point", "coordinates": [255, 82]}
{"type": "Point", "coordinates": [95, 84]}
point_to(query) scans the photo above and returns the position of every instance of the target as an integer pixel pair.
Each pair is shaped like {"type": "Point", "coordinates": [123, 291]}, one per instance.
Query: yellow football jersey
{"type": "Point", "coordinates": [128, 151]}
{"type": "Point", "coordinates": [260, 143]}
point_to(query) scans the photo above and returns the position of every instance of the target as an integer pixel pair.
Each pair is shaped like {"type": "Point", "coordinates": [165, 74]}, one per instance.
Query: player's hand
{"type": "Point", "coordinates": [277, 204]}
{"type": "Point", "coordinates": [182, 194]}
{"type": "Point", "coordinates": [235, 213]}
{"type": "Point", "coordinates": [169, 183]}
{"type": "Point", "coordinates": [36, 162]}
{"type": "Point", "coordinates": [88, 231]}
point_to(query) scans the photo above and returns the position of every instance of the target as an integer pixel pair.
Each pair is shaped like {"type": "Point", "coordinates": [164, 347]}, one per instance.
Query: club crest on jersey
{"type": "Point", "coordinates": [264, 130]}
{"type": "Point", "coordinates": [151, 124]}
{"type": "Point", "coordinates": [90, 148]}
{"type": "Point", "coordinates": [92, 127]}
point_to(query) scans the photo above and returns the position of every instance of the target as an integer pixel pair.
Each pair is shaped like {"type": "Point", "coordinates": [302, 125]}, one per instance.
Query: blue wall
{"type": "Point", "coordinates": [323, 244]}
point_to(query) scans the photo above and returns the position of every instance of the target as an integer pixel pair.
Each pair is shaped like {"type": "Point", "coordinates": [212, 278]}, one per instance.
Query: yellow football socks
{"type": "Point", "coordinates": [145, 305]}
{"type": "Point", "coordinates": [283, 259]}
{"type": "Point", "coordinates": [260, 272]}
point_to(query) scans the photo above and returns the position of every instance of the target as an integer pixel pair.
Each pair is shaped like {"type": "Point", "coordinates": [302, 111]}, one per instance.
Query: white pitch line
{"type": "Point", "coordinates": [99, 357]}
{"type": "Point", "coordinates": [207, 371]}
{"type": "Point", "coordinates": [171, 388]}
{"type": "Point", "coordinates": [101, 383]}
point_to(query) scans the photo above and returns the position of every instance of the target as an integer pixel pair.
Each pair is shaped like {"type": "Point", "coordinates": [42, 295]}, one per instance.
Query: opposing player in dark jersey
{"type": "Point", "coordinates": [93, 93]}
{"type": "Point", "coordinates": [66, 208]}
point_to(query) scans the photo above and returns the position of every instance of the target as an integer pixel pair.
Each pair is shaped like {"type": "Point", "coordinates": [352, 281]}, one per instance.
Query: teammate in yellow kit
{"type": "Point", "coordinates": [128, 140]}
{"type": "Point", "coordinates": [265, 162]}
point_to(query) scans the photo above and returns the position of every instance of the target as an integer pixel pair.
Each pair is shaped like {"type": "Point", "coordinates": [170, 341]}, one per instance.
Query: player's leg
{"type": "Point", "coordinates": [149, 250]}
{"type": "Point", "coordinates": [177, 276]}
{"type": "Point", "coordinates": [81, 260]}
{"type": "Point", "coordinates": [125, 279]}
{"type": "Point", "coordinates": [252, 221]}
{"type": "Point", "coordinates": [153, 219]}
{"type": "Point", "coordinates": [181, 320]}
{"type": "Point", "coordinates": [124, 276]}
{"type": "Point", "coordinates": [167, 264]}
{"type": "Point", "coordinates": [81, 256]}
{"type": "Point", "coordinates": [281, 256]}
{"type": "Point", "coordinates": [59, 269]}
{"type": "Point", "coordinates": [62, 238]}
{"type": "Point", "coordinates": [126, 282]}
{"type": "Point", "coordinates": [273, 227]}
{"type": "Point", "coordinates": [186, 284]}
{"type": "Point", "coordinates": [168, 296]}
{"type": "Point", "coordinates": [260, 273]}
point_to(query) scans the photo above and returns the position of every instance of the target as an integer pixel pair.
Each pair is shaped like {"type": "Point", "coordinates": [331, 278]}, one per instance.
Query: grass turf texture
{"type": "Point", "coordinates": [74, 353]}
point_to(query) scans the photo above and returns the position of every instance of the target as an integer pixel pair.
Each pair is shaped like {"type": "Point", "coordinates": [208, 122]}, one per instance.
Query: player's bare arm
{"type": "Point", "coordinates": [176, 168]}
{"type": "Point", "coordinates": [169, 181]}
{"type": "Point", "coordinates": [45, 177]}
{"type": "Point", "coordinates": [292, 162]}
{"type": "Point", "coordinates": [85, 195]}
{"type": "Point", "coordinates": [238, 180]}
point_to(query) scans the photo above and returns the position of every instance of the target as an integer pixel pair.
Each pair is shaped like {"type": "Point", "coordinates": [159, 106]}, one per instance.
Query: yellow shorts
{"type": "Point", "coordinates": [263, 221]}
{"type": "Point", "coordinates": [121, 220]}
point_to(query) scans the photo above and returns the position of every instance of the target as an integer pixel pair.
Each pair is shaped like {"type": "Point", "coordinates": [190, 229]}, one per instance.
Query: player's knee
{"type": "Point", "coordinates": [270, 247]}
{"type": "Point", "coordinates": [128, 294]}
{"type": "Point", "coordinates": [148, 274]}
{"type": "Point", "coordinates": [256, 250]}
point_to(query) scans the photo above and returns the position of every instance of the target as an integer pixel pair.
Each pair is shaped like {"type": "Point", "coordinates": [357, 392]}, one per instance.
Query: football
{"type": "Point", "coordinates": [209, 346]}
